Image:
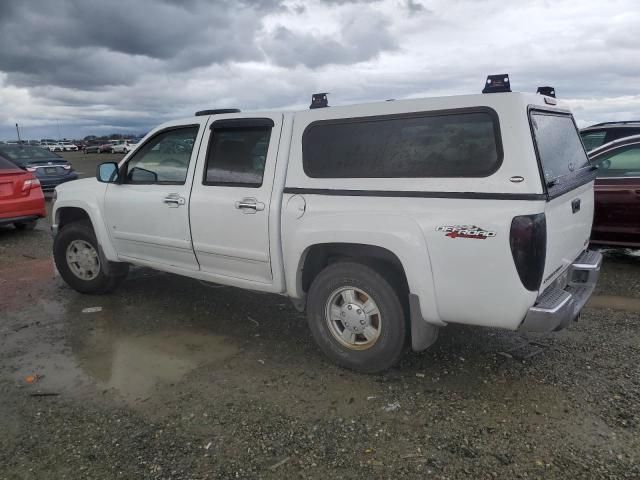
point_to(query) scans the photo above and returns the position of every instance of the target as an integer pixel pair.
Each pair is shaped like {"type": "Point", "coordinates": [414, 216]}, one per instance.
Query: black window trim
{"type": "Point", "coordinates": [582, 176]}
{"type": "Point", "coordinates": [230, 124]}
{"type": "Point", "coordinates": [495, 118]}
{"type": "Point", "coordinates": [416, 194]}
{"type": "Point", "coordinates": [122, 171]}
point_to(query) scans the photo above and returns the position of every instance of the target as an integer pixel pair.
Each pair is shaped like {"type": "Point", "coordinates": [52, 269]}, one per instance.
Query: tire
{"type": "Point", "coordinates": [26, 225]}
{"type": "Point", "coordinates": [97, 281]}
{"type": "Point", "coordinates": [368, 283]}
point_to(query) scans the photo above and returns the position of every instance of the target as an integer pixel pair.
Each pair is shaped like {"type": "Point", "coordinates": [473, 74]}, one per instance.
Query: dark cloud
{"type": "Point", "coordinates": [91, 43]}
{"type": "Point", "coordinates": [415, 7]}
{"type": "Point", "coordinates": [363, 37]}
{"type": "Point", "coordinates": [95, 66]}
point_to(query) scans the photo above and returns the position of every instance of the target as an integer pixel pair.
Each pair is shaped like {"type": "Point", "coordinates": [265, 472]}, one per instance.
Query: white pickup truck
{"type": "Point", "coordinates": [386, 221]}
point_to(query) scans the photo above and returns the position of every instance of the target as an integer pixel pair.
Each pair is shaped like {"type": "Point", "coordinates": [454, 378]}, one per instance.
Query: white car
{"type": "Point", "coordinates": [125, 147]}
{"type": "Point", "coordinates": [52, 146]}
{"type": "Point", "coordinates": [69, 147]}
{"type": "Point", "coordinates": [385, 221]}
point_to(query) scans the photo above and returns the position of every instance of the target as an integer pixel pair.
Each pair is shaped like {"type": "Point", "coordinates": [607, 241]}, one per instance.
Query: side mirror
{"type": "Point", "coordinates": [107, 172]}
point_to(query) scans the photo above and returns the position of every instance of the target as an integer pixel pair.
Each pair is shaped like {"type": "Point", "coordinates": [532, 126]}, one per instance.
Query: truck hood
{"type": "Point", "coordinates": [83, 189]}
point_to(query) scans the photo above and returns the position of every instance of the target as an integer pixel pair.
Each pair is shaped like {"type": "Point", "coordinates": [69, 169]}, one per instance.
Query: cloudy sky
{"type": "Point", "coordinates": [71, 68]}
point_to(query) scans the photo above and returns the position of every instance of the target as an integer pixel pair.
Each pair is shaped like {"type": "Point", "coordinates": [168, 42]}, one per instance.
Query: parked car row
{"type": "Point", "coordinates": [94, 146]}
{"type": "Point", "coordinates": [112, 146]}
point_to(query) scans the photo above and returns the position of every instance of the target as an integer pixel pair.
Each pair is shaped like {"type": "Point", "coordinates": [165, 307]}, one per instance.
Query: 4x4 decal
{"type": "Point", "coordinates": [465, 231]}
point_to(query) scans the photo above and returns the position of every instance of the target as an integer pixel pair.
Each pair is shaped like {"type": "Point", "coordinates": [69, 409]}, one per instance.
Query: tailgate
{"type": "Point", "coordinates": [569, 179]}
{"type": "Point", "coordinates": [569, 218]}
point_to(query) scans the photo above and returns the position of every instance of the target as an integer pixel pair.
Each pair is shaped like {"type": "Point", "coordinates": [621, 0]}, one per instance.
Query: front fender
{"type": "Point", "coordinates": [87, 195]}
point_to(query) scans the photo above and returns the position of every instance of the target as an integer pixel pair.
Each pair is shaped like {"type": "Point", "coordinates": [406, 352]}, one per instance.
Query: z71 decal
{"type": "Point", "coordinates": [465, 231]}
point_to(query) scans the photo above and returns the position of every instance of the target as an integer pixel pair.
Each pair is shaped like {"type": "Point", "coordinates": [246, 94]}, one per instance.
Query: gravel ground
{"type": "Point", "coordinates": [176, 379]}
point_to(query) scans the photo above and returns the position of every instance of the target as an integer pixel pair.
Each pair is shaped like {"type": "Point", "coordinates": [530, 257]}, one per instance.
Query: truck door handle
{"type": "Point", "coordinates": [250, 205]}
{"type": "Point", "coordinates": [575, 205]}
{"type": "Point", "coordinates": [174, 200]}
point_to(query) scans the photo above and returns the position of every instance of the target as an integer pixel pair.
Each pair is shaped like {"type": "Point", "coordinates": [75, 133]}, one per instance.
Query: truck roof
{"type": "Point", "coordinates": [426, 103]}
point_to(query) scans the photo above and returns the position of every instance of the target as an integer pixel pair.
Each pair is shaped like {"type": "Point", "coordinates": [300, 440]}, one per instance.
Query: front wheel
{"type": "Point", "coordinates": [75, 252]}
{"type": "Point", "coordinates": [357, 317]}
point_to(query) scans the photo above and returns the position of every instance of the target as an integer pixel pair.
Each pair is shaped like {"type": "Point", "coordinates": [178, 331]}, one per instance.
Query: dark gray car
{"type": "Point", "coordinates": [49, 168]}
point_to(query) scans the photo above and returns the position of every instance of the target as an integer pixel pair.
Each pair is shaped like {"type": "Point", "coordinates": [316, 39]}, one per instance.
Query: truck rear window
{"type": "Point", "coordinates": [559, 146]}
{"type": "Point", "coordinates": [461, 143]}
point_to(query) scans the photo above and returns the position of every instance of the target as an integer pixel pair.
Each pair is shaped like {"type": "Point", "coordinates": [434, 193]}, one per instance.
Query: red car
{"type": "Point", "coordinates": [617, 193]}
{"type": "Point", "coordinates": [21, 198]}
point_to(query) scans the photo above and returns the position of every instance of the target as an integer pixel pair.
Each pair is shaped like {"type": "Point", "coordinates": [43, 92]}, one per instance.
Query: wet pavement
{"type": "Point", "coordinates": [175, 378]}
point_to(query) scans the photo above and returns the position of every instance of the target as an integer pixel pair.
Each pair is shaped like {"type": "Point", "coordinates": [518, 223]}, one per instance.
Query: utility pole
{"type": "Point", "coordinates": [18, 130]}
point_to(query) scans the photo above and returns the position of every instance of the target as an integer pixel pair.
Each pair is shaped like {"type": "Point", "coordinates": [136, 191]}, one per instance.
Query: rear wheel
{"type": "Point", "coordinates": [30, 225]}
{"type": "Point", "coordinates": [75, 252]}
{"type": "Point", "coordinates": [357, 317]}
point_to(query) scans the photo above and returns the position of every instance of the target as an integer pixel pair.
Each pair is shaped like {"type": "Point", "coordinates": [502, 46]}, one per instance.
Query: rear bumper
{"type": "Point", "coordinates": [50, 183]}
{"type": "Point", "coordinates": [562, 301]}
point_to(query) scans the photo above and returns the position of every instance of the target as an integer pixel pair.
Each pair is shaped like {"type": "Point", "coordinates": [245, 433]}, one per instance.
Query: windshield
{"type": "Point", "coordinates": [559, 145]}
{"type": "Point", "coordinates": [22, 154]}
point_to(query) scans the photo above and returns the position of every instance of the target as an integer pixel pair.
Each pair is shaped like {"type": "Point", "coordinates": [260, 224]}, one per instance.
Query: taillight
{"type": "Point", "coordinates": [30, 184]}
{"type": "Point", "coordinates": [528, 240]}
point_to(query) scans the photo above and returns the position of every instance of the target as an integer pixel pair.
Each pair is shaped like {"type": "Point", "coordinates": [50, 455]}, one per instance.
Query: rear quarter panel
{"type": "Point", "coordinates": [458, 279]}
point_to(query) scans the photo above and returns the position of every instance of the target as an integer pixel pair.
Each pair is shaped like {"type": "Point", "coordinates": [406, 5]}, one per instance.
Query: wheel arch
{"type": "Point", "coordinates": [318, 256]}
{"type": "Point", "coordinates": [66, 215]}
{"type": "Point", "coordinates": [68, 212]}
{"type": "Point", "coordinates": [401, 246]}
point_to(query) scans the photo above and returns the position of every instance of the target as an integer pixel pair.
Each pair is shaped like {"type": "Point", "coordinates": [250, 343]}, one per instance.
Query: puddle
{"type": "Point", "coordinates": [135, 365]}
{"type": "Point", "coordinates": [614, 302]}
{"type": "Point", "coordinates": [71, 353]}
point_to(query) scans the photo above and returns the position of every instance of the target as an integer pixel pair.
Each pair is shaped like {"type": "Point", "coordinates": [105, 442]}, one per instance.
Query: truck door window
{"type": "Point", "coordinates": [621, 162]}
{"type": "Point", "coordinates": [237, 156]}
{"type": "Point", "coordinates": [164, 159]}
